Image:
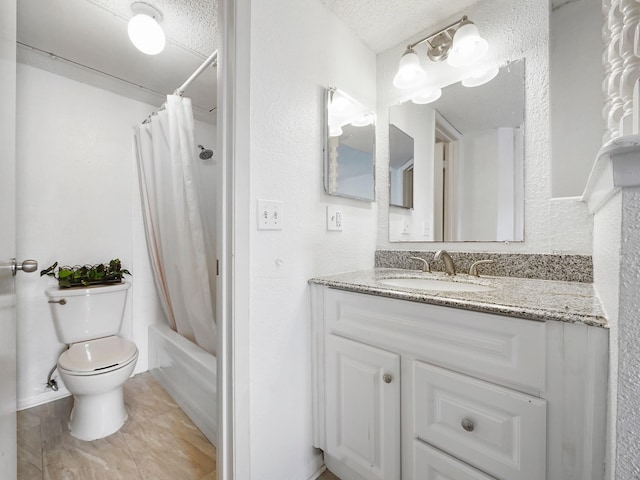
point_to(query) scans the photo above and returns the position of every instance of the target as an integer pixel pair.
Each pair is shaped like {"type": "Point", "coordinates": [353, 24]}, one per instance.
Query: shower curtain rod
{"type": "Point", "coordinates": [180, 91]}
{"type": "Point", "coordinates": [209, 61]}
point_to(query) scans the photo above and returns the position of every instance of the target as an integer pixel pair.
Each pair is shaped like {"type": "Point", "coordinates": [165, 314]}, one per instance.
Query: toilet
{"type": "Point", "coordinates": [98, 361]}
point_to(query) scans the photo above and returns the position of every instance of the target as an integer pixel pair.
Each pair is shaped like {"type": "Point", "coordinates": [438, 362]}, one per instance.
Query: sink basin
{"type": "Point", "coordinates": [435, 285]}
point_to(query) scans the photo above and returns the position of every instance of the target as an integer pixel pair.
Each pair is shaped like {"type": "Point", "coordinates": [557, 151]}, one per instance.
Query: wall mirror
{"type": "Point", "coordinates": [349, 159]}
{"type": "Point", "coordinates": [465, 175]}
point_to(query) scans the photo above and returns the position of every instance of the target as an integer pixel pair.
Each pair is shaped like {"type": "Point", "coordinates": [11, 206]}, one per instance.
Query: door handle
{"type": "Point", "coordinates": [27, 266]}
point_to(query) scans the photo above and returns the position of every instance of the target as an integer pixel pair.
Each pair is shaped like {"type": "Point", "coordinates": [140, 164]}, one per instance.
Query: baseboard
{"type": "Point", "coordinates": [45, 397]}
{"type": "Point", "coordinates": [321, 469]}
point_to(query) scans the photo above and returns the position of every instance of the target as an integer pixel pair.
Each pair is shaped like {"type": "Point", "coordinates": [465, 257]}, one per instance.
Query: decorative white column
{"type": "Point", "coordinates": [607, 67]}
{"type": "Point", "coordinates": [630, 10]}
{"type": "Point", "coordinates": [621, 65]}
{"type": "Point", "coordinates": [614, 59]}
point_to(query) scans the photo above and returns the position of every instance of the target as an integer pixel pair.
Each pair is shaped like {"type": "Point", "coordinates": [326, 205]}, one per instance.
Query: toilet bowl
{"type": "Point", "coordinates": [94, 372]}
{"type": "Point", "coordinates": [98, 362]}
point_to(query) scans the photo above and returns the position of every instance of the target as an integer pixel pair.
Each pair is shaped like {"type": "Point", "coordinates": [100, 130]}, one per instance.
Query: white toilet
{"type": "Point", "coordinates": [98, 362]}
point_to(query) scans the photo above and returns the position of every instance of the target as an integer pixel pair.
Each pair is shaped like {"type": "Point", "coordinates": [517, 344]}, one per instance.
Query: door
{"type": "Point", "coordinates": [7, 240]}
{"type": "Point", "coordinates": [363, 408]}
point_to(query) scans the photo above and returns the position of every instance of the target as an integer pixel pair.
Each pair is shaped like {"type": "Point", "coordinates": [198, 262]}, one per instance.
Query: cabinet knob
{"type": "Point", "coordinates": [468, 425]}
{"type": "Point", "coordinates": [387, 378]}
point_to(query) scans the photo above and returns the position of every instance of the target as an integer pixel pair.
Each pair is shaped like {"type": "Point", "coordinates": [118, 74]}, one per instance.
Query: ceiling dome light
{"type": "Point", "coordinates": [410, 73]}
{"type": "Point", "coordinates": [468, 46]}
{"type": "Point", "coordinates": [145, 32]}
{"type": "Point", "coordinates": [480, 77]}
{"type": "Point", "coordinates": [428, 95]}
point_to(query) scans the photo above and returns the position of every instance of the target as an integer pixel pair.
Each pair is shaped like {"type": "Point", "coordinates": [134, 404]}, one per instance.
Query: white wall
{"type": "Point", "coordinates": [514, 30]}
{"type": "Point", "coordinates": [419, 122]}
{"type": "Point", "coordinates": [297, 50]}
{"type": "Point", "coordinates": [78, 203]}
{"type": "Point", "coordinates": [575, 83]}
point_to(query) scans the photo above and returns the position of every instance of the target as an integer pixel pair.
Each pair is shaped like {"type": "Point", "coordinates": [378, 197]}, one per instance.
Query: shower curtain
{"type": "Point", "coordinates": [174, 226]}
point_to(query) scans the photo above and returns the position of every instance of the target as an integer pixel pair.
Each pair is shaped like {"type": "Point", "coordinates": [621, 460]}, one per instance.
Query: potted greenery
{"type": "Point", "coordinates": [84, 276]}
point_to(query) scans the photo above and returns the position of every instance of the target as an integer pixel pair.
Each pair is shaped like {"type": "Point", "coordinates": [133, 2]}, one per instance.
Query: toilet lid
{"type": "Point", "coordinates": [98, 355]}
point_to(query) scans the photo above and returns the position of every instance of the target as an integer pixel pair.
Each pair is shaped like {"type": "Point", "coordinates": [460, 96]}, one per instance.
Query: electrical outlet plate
{"type": "Point", "coordinates": [270, 215]}
{"type": "Point", "coordinates": [335, 218]}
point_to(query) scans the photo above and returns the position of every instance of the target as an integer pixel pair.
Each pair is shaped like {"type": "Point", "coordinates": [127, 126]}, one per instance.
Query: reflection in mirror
{"type": "Point", "coordinates": [467, 168]}
{"type": "Point", "coordinates": [400, 168]}
{"type": "Point", "coordinates": [349, 151]}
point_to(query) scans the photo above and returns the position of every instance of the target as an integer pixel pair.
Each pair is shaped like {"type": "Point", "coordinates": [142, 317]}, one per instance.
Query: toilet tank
{"type": "Point", "coordinates": [81, 314]}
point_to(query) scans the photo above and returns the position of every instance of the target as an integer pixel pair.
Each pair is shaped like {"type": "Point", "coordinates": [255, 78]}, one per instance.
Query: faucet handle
{"type": "Point", "coordinates": [425, 265]}
{"type": "Point", "coordinates": [474, 267]}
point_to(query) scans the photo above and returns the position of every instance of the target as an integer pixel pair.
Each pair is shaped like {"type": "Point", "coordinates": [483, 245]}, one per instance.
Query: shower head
{"type": "Point", "coordinates": [205, 153]}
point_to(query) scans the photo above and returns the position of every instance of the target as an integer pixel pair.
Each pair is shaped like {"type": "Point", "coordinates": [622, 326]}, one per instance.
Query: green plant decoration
{"type": "Point", "coordinates": [84, 276]}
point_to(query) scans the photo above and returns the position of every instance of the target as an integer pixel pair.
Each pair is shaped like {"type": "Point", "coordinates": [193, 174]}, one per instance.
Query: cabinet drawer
{"type": "Point", "coordinates": [499, 349]}
{"type": "Point", "coordinates": [500, 431]}
{"type": "Point", "coordinates": [432, 464]}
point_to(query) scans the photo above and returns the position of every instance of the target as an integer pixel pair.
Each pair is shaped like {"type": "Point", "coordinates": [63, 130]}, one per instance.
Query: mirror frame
{"type": "Point", "coordinates": [519, 184]}
{"type": "Point", "coordinates": [326, 148]}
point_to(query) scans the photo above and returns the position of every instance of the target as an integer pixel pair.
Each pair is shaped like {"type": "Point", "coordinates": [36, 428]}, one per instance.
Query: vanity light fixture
{"type": "Point", "coordinates": [344, 110]}
{"type": "Point", "coordinates": [459, 43]}
{"type": "Point", "coordinates": [363, 121]}
{"type": "Point", "coordinates": [144, 29]}
{"type": "Point", "coordinates": [480, 77]}
{"type": "Point", "coordinates": [427, 95]}
{"type": "Point", "coordinates": [410, 73]}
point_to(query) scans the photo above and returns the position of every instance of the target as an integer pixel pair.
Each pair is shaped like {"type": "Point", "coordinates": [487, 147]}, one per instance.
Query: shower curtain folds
{"type": "Point", "coordinates": [174, 227]}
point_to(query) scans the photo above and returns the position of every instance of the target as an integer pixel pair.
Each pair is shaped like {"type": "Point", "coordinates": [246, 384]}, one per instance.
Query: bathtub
{"type": "Point", "coordinates": [188, 374]}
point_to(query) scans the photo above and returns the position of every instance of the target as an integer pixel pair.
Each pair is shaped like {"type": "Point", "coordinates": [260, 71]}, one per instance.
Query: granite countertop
{"type": "Point", "coordinates": [532, 299]}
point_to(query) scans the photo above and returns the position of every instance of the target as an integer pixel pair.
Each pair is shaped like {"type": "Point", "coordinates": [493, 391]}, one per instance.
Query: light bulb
{"type": "Point", "coordinates": [335, 130]}
{"type": "Point", "coordinates": [428, 95]}
{"type": "Point", "coordinates": [468, 46]}
{"type": "Point", "coordinates": [410, 73]}
{"type": "Point", "coordinates": [146, 34]}
{"type": "Point", "coordinates": [366, 119]}
{"type": "Point", "coordinates": [480, 77]}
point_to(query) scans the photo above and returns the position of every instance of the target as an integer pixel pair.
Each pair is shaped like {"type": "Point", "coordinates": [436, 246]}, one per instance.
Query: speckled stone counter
{"type": "Point", "coordinates": [517, 297]}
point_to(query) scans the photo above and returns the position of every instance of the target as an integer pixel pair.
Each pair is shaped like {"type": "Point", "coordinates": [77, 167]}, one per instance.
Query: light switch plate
{"type": "Point", "coordinates": [335, 218]}
{"type": "Point", "coordinates": [270, 215]}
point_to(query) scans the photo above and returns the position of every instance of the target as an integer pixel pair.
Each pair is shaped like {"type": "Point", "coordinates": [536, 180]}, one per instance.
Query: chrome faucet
{"type": "Point", "coordinates": [443, 255]}
{"type": "Point", "coordinates": [474, 267]}
{"type": "Point", "coordinates": [425, 265]}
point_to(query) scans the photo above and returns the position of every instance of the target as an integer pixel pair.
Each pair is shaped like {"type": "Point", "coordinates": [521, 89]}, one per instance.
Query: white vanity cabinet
{"type": "Point", "coordinates": [407, 391]}
{"type": "Point", "coordinates": [364, 412]}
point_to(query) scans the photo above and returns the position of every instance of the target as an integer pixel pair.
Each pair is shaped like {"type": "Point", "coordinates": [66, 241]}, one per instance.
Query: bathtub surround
{"type": "Point", "coordinates": [568, 268]}
{"type": "Point", "coordinates": [80, 167]}
{"type": "Point", "coordinates": [189, 374]}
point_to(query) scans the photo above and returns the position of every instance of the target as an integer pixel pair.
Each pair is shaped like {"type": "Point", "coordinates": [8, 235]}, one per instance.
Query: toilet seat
{"type": "Point", "coordinates": [95, 357]}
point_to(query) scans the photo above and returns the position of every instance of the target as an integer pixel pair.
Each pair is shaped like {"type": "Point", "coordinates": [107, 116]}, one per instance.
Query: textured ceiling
{"type": "Point", "coordinates": [382, 24]}
{"type": "Point", "coordinates": [191, 24]}
{"type": "Point", "coordinates": [75, 38]}
{"type": "Point", "coordinates": [91, 35]}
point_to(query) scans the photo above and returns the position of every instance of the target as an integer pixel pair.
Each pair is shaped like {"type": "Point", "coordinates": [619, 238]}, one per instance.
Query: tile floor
{"type": "Point", "coordinates": [158, 442]}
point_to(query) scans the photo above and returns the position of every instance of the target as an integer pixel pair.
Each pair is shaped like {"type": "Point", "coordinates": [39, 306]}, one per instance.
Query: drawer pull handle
{"type": "Point", "coordinates": [468, 425]}
{"type": "Point", "coordinates": [387, 378]}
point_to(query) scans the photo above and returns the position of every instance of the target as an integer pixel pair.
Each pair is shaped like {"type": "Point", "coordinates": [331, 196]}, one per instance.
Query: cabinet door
{"type": "Point", "coordinates": [363, 408]}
